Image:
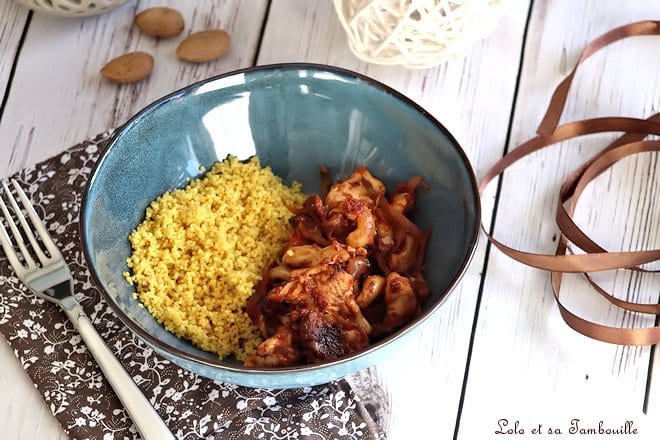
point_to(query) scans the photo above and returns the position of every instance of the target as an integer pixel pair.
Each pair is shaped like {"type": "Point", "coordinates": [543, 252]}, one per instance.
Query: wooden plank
{"type": "Point", "coordinates": [77, 103]}
{"type": "Point", "coordinates": [424, 382]}
{"type": "Point", "coordinates": [12, 22]}
{"type": "Point", "coordinates": [523, 351]}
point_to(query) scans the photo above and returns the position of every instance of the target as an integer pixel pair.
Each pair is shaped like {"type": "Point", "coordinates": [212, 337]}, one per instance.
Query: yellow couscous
{"type": "Point", "coordinates": [201, 250]}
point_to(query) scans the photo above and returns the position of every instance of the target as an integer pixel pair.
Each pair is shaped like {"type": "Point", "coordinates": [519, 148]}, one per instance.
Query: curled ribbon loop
{"type": "Point", "coordinates": [594, 257]}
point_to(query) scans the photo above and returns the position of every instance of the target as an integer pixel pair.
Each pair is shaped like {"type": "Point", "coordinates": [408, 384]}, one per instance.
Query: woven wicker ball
{"type": "Point", "coordinates": [72, 8]}
{"type": "Point", "coordinates": [416, 34]}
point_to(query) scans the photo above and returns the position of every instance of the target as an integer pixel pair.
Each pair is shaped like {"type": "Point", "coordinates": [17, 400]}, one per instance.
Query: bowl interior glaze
{"type": "Point", "coordinates": [296, 118]}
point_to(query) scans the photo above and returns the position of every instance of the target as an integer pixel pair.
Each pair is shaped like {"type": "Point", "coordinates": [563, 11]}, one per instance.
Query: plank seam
{"type": "Point", "coordinates": [649, 376]}
{"type": "Point", "coordinates": [12, 71]}
{"type": "Point", "coordinates": [262, 32]}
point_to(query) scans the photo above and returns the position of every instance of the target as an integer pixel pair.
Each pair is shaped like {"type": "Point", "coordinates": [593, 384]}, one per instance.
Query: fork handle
{"type": "Point", "coordinates": [145, 417]}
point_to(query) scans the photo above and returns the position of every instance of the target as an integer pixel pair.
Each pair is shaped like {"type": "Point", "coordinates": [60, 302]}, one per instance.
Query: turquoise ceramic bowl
{"type": "Point", "coordinates": [296, 118]}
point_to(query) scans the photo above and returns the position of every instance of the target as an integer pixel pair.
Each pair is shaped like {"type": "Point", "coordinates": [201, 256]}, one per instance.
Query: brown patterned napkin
{"type": "Point", "coordinates": [72, 385]}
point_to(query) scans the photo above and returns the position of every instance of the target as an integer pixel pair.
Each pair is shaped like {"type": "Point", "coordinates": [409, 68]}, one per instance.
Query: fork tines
{"type": "Point", "coordinates": [14, 235]}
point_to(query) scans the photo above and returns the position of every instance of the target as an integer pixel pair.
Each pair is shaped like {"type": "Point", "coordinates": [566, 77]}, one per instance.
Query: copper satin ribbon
{"type": "Point", "coordinates": [594, 258]}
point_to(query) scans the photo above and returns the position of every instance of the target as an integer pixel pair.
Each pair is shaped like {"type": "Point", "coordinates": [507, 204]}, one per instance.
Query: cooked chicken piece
{"type": "Point", "coordinates": [292, 295]}
{"type": "Point", "coordinates": [384, 233]}
{"type": "Point", "coordinates": [301, 256]}
{"type": "Point", "coordinates": [373, 287]}
{"type": "Point", "coordinates": [325, 336]}
{"type": "Point", "coordinates": [368, 179]}
{"type": "Point", "coordinates": [330, 289]}
{"type": "Point", "coordinates": [319, 300]}
{"type": "Point", "coordinates": [403, 197]}
{"type": "Point", "coordinates": [409, 242]}
{"type": "Point", "coordinates": [402, 202]}
{"type": "Point", "coordinates": [311, 255]}
{"type": "Point", "coordinates": [365, 223]}
{"type": "Point", "coordinates": [280, 273]}
{"type": "Point", "coordinates": [400, 301]}
{"type": "Point", "coordinates": [360, 185]}
{"type": "Point", "coordinates": [277, 351]}
{"type": "Point", "coordinates": [402, 260]}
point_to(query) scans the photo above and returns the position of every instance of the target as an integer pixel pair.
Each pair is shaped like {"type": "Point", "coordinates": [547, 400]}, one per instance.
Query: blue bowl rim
{"type": "Point", "coordinates": [240, 369]}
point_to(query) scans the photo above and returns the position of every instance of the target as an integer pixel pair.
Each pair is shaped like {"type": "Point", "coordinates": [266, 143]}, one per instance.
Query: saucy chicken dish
{"type": "Point", "coordinates": [351, 272]}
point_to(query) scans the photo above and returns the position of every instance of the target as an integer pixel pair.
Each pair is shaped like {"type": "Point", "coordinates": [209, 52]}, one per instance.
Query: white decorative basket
{"type": "Point", "coordinates": [72, 8]}
{"type": "Point", "coordinates": [416, 34]}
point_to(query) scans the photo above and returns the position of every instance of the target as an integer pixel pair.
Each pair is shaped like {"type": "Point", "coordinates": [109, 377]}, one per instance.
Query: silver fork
{"type": "Point", "coordinates": [51, 279]}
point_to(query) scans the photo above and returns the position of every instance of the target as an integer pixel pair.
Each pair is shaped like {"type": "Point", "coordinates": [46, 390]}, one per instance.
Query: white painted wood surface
{"type": "Point", "coordinates": [524, 363]}
{"type": "Point", "coordinates": [523, 353]}
{"type": "Point", "coordinates": [72, 51]}
{"type": "Point", "coordinates": [11, 28]}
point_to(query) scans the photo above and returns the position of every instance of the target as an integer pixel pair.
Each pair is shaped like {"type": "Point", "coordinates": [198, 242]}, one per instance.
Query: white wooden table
{"type": "Point", "coordinates": [498, 348]}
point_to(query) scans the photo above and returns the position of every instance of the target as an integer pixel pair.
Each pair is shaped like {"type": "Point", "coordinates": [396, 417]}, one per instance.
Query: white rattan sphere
{"type": "Point", "coordinates": [72, 8]}
{"type": "Point", "coordinates": [416, 33]}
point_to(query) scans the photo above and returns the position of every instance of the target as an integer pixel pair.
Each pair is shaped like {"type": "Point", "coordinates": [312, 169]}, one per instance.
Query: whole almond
{"type": "Point", "coordinates": [160, 22]}
{"type": "Point", "coordinates": [204, 46]}
{"type": "Point", "coordinates": [128, 68]}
